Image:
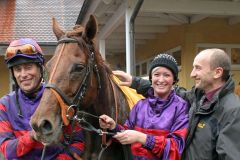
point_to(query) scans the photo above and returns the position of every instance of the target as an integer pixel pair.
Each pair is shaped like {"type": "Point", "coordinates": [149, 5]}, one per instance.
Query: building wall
{"type": "Point", "coordinates": [4, 80]}
{"type": "Point", "coordinates": [188, 36]}
{"type": "Point", "coordinates": [116, 62]}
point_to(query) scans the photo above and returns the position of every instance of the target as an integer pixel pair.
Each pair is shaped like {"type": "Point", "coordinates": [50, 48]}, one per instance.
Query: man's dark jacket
{"type": "Point", "coordinates": [214, 127]}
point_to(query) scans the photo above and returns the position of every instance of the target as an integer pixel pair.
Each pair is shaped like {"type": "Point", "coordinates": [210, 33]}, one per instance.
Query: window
{"type": "Point", "coordinates": [144, 68]}
{"type": "Point", "coordinates": [177, 56]}
{"type": "Point", "coordinates": [137, 70]}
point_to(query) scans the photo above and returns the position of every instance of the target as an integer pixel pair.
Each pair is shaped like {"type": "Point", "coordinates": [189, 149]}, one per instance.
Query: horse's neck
{"type": "Point", "coordinates": [112, 100]}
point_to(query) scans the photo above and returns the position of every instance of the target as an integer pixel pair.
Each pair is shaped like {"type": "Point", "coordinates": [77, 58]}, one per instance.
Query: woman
{"type": "Point", "coordinates": [157, 126]}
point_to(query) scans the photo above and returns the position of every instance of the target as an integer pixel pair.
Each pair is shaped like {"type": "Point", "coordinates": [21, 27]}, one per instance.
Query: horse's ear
{"type": "Point", "coordinates": [56, 29]}
{"type": "Point", "coordinates": [90, 28]}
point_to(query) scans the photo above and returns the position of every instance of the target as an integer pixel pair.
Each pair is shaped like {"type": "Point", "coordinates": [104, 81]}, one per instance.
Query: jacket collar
{"type": "Point", "coordinates": [208, 108]}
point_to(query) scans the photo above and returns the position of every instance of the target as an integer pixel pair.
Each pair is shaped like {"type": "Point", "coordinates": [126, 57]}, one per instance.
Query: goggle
{"type": "Point", "coordinates": [26, 49]}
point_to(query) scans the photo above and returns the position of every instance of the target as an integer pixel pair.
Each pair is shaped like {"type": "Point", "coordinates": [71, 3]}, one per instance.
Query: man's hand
{"type": "Point", "coordinates": [126, 79]}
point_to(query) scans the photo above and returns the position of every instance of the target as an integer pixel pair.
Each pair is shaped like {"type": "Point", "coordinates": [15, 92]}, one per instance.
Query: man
{"type": "Point", "coordinates": [215, 109]}
{"type": "Point", "coordinates": [25, 60]}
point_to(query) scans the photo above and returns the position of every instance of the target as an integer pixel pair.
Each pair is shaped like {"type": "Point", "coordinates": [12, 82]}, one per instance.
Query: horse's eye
{"type": "Point", "coordinates": [77, 68]}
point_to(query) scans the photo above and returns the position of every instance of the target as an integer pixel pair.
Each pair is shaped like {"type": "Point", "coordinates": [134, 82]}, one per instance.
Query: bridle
{"type": "Point", "coordinates": [68, 106]}
{"type": "Point", "coordinates": [70, 109]}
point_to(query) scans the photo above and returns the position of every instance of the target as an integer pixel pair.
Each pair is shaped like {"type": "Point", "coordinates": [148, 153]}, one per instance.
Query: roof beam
{"type": "Point", "coordinates": [155, 21]}
{"type": "Point", "coordinates": [123, 42]}
{"type": "Point", "coordinates": [179, 18]}
{"type": "Point", "coordinates": [196, 18]}
{"type": "Point", "coordinates": [192, 7]}
{"type": "Point", "coordinates": [145, 29]}
{"type": "Point", "coordinates": [113, 22]}
{"type": "Point", "coordinates": [91, 9]}
{"type": "Point", "coordinates": [234, 20]}
{"type": "Point", "coordinates": [137, 36]}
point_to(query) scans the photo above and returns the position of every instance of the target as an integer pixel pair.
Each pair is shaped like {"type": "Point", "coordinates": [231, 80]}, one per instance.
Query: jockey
{"type": "Point", "coordinates": [24, 58]}
{"type": "Point", "coordinates": [156, 127]}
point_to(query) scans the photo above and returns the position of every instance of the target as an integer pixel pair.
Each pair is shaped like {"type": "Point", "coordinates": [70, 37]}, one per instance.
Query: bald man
{"type": "Point", "coordinates": [214, 125]}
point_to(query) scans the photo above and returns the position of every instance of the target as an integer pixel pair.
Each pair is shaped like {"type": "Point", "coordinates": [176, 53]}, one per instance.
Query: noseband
{"type": "Point", "coordinates": [67, 105]}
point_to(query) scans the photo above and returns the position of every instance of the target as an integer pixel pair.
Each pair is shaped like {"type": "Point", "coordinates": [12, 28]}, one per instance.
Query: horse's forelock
{"type": "Point", "coordinates": [77, 31]}
{"type": "Point", "coordinates": [78, 28]}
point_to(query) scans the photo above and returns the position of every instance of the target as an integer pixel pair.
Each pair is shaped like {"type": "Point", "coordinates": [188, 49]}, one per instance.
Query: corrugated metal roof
{"type": "Point", "coordinates": [33, 18]}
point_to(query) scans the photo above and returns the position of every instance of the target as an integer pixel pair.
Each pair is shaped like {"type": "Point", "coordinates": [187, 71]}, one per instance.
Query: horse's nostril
{"type": "Point", "coordinates": [35, 127]}
{"type": "Point", "coordinates": [46, 127]}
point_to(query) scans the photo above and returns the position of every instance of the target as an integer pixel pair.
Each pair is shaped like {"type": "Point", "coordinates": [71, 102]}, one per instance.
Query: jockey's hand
{"type": "Point", "coordinates": [107, 122]}
{"type": "Point", "coordinates": [126, 79]}
{"type": "Point", "coordinates": [131, 136]}
{"type": "Point", "coordinates": [76, 156]}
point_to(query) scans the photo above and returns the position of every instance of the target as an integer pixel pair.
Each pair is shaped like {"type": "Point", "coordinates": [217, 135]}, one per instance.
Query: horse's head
{"type": "Point", "coordinates": [73, 80]}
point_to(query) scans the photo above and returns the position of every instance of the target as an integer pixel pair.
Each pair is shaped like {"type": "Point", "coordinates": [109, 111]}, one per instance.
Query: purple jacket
{"type": "Point", "coordinates": [164, 121]}
{"type": "Point", "coordinates": [15, 140]}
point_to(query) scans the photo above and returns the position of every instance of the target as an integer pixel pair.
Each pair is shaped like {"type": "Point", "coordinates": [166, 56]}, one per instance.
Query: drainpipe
{"type": "Point", "coordinates": [83, 11]}
{"type": "Point", "coordinates": [132, 39]}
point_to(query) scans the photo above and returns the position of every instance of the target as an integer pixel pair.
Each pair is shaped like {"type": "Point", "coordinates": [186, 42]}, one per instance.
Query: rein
{"type": "Point", "coordinates": [80, 117]}
{"type": "Point", "coordinates": [68, 107]}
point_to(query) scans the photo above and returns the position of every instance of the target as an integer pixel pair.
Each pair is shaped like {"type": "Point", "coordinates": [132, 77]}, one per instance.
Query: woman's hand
{"type": "Point", "coordinates": [107, 122]}
{"type": "Point", "coordinates": [131, 136]}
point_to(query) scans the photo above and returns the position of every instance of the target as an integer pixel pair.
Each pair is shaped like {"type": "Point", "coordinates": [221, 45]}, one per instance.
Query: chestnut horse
{"type": "Point", "coordinates": [79, 79]}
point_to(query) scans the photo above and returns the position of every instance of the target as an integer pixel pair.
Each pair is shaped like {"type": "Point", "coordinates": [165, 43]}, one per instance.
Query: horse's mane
{"type": "Point", "coordinates": [77, 32]}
